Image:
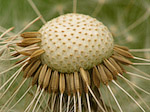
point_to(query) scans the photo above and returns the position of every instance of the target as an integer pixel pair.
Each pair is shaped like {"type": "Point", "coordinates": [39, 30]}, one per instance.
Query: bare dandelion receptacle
{"type": "Point", "coordinates": [73, 41]}
{"type": "Point", "coordinates": [73, 63]}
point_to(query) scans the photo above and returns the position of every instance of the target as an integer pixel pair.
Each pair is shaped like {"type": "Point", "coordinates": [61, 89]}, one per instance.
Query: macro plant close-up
{"type": "Point", "coordinates": [74, 56]}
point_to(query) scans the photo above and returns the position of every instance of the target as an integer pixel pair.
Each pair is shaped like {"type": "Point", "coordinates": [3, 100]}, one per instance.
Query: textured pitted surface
{"type": "Point", "coordinates": [72, 41]}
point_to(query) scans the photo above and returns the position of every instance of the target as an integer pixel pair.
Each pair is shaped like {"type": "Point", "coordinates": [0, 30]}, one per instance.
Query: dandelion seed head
{"type": "Point", "coordinates": [71, 63]}
{"type": "Point", "coordinates": [72, 41]}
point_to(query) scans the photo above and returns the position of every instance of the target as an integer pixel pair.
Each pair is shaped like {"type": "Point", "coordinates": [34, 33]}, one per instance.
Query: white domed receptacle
{"type": "Point", "coordinates": [74, 40]}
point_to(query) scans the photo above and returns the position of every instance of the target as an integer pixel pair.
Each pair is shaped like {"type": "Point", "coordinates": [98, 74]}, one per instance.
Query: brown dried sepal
{"type": "Point", "coordinates": [47, 78]}
{"type": "Point", "coordinates": [36, 76]}
{"type": "Point", "coordinates": [121, 47]}
{"type": "Point", "coordinates": [33, 68]}
{"type": "Point", "coordinates": [76, 81]}
{"type": "Point", "coordinates": [55, 82]}
{"type": "Point", "coordinates": [29, 41]}
{"type": "Point", "coordinates": [30, 34]}
{"type": "Point", "coordinates": [26, 70]}
{"type": "Point", "coordinates": [42, 74]}
{"type": "Point", "coordinates": [89, 82]}
{"type": "Point", "coordinates": [73, 91]}
{"type": "Point", "coordinates": [121, 66]}
{"type": "Point", "coordinates": [96, 72]}
{"type": "Point", "coordinates": [121, 59]}
{"type": "Point", "coordinates": [109, 74]}
{"type": "Point", "coordinates": [113, 62]}
{"type": "Point", "coordinates": [123, 52]}
{"type": "Point", "coordinates": [84, 75]}
{"type": "Point", "coordinates": [37, 53]}
{"type": "Point", "coordinates": [27, 52]}
{"type": "Point", "coordinates": [96, 80]}
{"type": "Point", "coordinates": [68, 84]}
{"type": "Point", "coordinates": [110, 67]}
{"type": "Point", "coordinates": [81, 84]}
{"type": "Point", "coordinates": [103, 75]}
{"type": "Point", "coordinates": [62, 83]}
